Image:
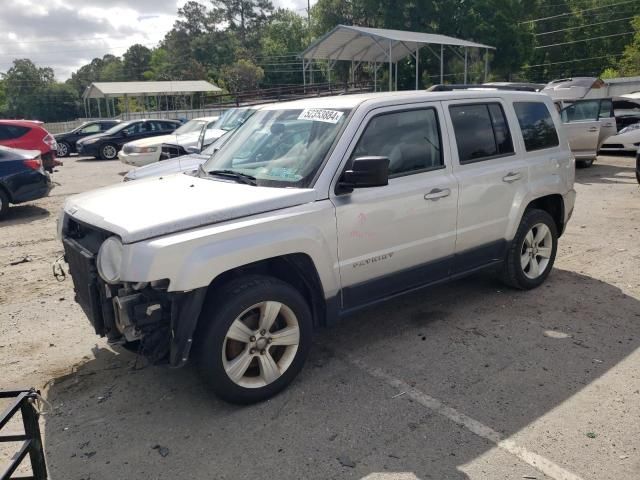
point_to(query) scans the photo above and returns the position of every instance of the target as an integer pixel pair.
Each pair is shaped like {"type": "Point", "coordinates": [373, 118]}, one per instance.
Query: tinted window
{"type": "Point", "coordinates": [10, 132]}
{"type": "Point", "coordinates": [107, 126]}
{"type": "Point", "coordinates": [134, 128]}
{"type": "Point", "coordinates": [411, 141]}
{"type": "Point", "coordinates": [481, 131]}
{"type": "Point", "coordinates": [537, 125]}
{"type": "Point", "coordinates": [167, 126]}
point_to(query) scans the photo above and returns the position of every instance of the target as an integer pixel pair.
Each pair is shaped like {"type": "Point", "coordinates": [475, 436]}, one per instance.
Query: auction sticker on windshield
{"type": "Point", "coordinates": [321, 115]}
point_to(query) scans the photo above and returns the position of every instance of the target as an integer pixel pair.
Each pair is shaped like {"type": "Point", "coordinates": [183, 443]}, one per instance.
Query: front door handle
{"type": "Point", "coordinates": [593, 129]}
{"type": "Point", "coordinates": [512, 177]}
{"type": "Point", "coordinates": [437, 193]}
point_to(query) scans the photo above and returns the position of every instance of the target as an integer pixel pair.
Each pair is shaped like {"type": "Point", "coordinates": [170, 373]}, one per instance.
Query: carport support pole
{"type": "Point", "coordinates": [390, 68]}
{"type": "Point", "coordinates": [486, 64]}
{"type": "Point", "coordinates": [465, 65]}
{"type": "Point", "coordinates": [99, 111]}
{"type": "Point", "coordinates": [417, 61]}
{"type": "Point", "coordinates": [441, 64]}
{"type": "Point", "coordinates": [375, 76]}
{"type": "Point", "coordinates": [396, 79]}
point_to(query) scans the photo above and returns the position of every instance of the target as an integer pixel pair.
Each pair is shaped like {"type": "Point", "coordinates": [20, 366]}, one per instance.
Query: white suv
{"type": "Point", "coordinates": [313, 209]}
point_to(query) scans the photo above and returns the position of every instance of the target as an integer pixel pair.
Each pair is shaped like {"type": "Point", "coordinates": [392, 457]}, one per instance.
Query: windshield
{"type": "Point", "coordinates": [190, 126]}
{"type": "Point", "coordinates": [117, 128]}
{"type": "Point", "coordinates": [280, 148]}
{"type": "Point", "coordinates": [233, 118]}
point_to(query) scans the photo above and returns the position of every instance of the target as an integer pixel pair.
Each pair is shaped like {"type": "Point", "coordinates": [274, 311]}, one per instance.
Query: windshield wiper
{"type": "Point", "coordinates": [238, 176]}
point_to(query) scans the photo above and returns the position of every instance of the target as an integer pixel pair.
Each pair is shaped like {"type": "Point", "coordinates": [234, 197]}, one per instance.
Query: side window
{"type": "Point", "coordinates": [606, 109]}
{"type": "Point", "coordinates": [106, 126]}
{"type": "Point", "coordinates": [538, 130]}
{"type": "Point", "coordinates": [481, 131]}
{"type": "Point", "coordinates": [410, 139]}
{"type": "Point", "coordinates": [93, 128]}
{"type": "Point", "coordinates": [582, 111]}
{"type": "Point", "coordinates": [133, 129]}
{"type": "Point", "coordinates": [10, 132]}
{"type": "Point", "coordinates": [168, 126]}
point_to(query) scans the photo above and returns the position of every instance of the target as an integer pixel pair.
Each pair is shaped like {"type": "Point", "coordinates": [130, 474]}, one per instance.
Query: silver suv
{"type": "Point", "coordinates": [313, 209]}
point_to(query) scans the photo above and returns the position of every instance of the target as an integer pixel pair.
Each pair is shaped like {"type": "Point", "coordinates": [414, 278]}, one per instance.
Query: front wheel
{"type": "Point", "coordinates": [4, 203]}
{"type": "Point", "coordinates": [256, 337]}
{"type": "Point", "coordinates": [108, 151]}
{"type": "Point", "coordinates": [532, 252]}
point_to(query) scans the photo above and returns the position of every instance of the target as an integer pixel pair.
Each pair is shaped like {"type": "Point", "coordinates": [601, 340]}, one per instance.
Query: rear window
{"type": "Point", "coordinates": [10, 132]}
{"type": "Point", "coordinates": [538, 130]}
{"type": "Point", "coordinates": [481, 131]}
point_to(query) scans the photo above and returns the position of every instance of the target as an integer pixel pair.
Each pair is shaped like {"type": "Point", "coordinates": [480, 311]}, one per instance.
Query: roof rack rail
{"type": "Point", "coordinates": [449, 88]}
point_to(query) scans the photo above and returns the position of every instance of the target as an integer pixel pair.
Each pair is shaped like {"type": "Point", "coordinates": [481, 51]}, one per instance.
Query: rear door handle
{"type": "Point", "coordinates": [593, 129]}
{"type": "Point", "coordinates": [512, 177]}
{"type": "Point", "coordinates": [437, 193]}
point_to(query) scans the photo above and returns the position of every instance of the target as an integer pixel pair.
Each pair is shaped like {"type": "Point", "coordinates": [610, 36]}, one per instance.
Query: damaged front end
{"type": "Point", "coordinates": [145, 316]}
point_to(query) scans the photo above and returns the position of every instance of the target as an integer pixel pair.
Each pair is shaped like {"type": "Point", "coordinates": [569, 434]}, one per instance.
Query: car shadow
{"type": "Point", "coordinates": [606, 173]}
{"type": "Point", "coordinates": [23, 213]}
{"type": "Point", "coordinates": [482, 349]}
{"type": "Point", "coordinates": [94, 159]}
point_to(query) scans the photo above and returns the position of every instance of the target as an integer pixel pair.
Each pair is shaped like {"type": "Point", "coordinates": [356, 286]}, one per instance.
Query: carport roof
{"type": "Point", "coordinates": [121, 89]}
{"type": "Point", "coordinates": [363, 44]}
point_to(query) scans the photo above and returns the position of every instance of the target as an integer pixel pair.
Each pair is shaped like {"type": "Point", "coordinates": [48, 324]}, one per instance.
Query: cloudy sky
{"type": "Point", "coordinates": [66, 34]}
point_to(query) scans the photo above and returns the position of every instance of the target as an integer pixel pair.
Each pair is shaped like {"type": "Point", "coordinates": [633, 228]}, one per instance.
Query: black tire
{"type": "Point", "coordinates": [221, 310]}
{"type": "Point", "coordinates": [4, 203]}
{"type": "Point", "coordinates": [513, 274]}
{"type": "Point", "coordinates": [108, 151]}
{"type": "Point", "coordinates": [638, 176]}
{"type": "Point", "coordinates": [585, 163]}
{"type": "Point", "coordinates": [64, 149]}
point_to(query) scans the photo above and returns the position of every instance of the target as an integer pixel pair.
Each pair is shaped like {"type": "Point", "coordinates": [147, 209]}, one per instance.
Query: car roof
{"type": "Point", "coordinates": [352, 101]}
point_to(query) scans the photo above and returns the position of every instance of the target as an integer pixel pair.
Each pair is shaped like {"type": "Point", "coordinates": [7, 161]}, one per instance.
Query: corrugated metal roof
{"type": "Point", "coordinates": [120, 89]}
{"type": "Point", "coordinates": [350, 42]}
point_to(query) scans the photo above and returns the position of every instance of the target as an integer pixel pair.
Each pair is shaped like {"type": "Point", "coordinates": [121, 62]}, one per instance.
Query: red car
{"type": "Point", "coordinates": [30, 135]}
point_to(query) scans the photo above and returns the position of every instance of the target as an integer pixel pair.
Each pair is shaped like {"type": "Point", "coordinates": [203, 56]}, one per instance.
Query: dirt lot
{"type": "Point", "coordinates": [465, 381]}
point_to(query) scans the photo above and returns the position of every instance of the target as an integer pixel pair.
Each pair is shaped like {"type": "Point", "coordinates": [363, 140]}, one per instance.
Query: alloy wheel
{"type": "Point", "coordinates": [261, 344]}
{"type": "Point", "coordinates": [536, 251]}
{"type": "Point", "coordinates": [109, 152]}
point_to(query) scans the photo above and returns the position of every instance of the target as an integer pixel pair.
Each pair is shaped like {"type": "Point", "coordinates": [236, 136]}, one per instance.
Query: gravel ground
{"type": "Point", "coordinates": [468, 380]}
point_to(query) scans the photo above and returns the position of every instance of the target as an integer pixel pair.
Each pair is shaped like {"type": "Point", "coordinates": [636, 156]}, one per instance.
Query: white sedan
{"type": "Point", "coordinates": [626, 140]}
{"type": "Point", "coordinates": [147, 150]}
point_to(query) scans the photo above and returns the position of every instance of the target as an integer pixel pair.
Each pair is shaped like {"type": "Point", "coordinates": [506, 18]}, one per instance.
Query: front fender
{"type": "Point", "coordinates": [193, 259]}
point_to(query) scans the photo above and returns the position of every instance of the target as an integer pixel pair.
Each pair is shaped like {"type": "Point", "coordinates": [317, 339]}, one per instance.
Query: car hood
{"type": "Point", "coordinates": [89, 137]}
{"type": "Point", "coordinates": [632, 136]}
{"type": "Point", "coordinates": [158, 206]}
{"type": "Point", "coordinates": [186, 163]}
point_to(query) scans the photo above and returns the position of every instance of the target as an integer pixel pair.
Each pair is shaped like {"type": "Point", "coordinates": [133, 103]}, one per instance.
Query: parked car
{"type": "Point", "coordinates": [311, 210]}
{"type": "Point", "coordinates": [147, 150]}
{"type": "Point", "coordinates": [588, 123]}
{"type": "Point", "coordinates": [638, 165]}
{"type": "Point", "coordinates": [626, 140]}
{"type": "Point", "coordinates": [229, 120]}
{"type": "Point", "coordinates": [22, 177]}
{"type": "Point", "coordinates": [185, 163]}
{"type": "Point", "coordinates": [30, 135]}
{"type": "Point", "coordinates": [106, 145]}
{"type": "Point", "coordinates": [67, 141]}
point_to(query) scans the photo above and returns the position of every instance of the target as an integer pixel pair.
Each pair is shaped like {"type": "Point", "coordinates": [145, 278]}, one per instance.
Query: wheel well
{"type": "Point", "coordinates": [554, 206]}
{"type": "Point", "coordinates": [6, 191]}
{"type": "Point", "coordinates": [296, 269]}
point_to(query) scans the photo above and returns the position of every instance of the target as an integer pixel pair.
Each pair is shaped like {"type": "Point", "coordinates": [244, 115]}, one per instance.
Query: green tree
{"type": "Point", "coordinates": [136, 62]}
{"type": "Point", "coordinates": [22, 82]}
{"type": "Point", "coordinates": [630, 61]}
{"type": "Point", "coordinates": [242, 76]}
{"type": "Point", "coordinates": [285, 36]}
{"type": "Point", "coordinates": [247, 17]}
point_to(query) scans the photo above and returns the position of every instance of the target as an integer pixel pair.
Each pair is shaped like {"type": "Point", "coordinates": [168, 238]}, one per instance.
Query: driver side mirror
{"type": "Point", "coordinates": [365, 172]}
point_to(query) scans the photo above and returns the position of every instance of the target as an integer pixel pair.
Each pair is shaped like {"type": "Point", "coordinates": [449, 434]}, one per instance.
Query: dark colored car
{"type": "Point", "coordinates": [107, 145]}
{"type": "Point", "coordinates": [30, 135]}
{"type": "Point", "coordinates": [638, 166]}
{"type": "Point", "coordinates": [22, 177]}
{"type": "Point", "coordinates": [67, 141]}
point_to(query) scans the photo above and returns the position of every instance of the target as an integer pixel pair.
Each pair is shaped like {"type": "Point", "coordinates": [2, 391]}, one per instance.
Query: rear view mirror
{"type": "Point", "coordinates": [365, 172]}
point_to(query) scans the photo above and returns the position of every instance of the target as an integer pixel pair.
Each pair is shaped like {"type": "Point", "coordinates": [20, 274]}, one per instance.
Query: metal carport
{"type": "Point", "coordinates": [126, 90]}
{"type": "Point", "coordinates": [379, 45]}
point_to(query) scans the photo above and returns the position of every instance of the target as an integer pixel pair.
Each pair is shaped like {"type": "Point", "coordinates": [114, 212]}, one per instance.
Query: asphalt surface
{"type": "Point", "coordinates": [469, 380]}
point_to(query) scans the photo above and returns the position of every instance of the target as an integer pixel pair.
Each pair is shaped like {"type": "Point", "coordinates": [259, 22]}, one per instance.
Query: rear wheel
{"type": "Point", "coordinates": [108, 151]}
{"type": "Point", "coordinates": [4, 203]}
{"type": "Point", "coordinates": [585, 163]}
{"type": "Point", "coordinates": [256, 339]}
{"type": "Point", "coordinates": [64, 149]}
{"type": "Point", "coordinates": [532, 252]}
